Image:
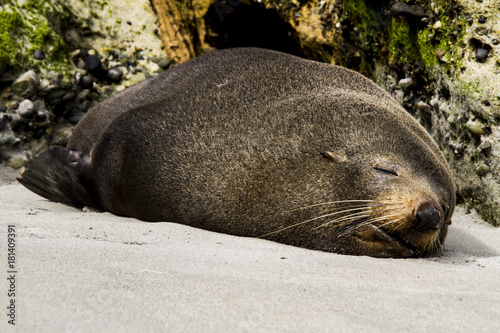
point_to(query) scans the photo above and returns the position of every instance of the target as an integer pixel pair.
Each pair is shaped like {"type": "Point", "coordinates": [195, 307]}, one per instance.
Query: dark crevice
{"type": "Point", "coordinates": [236, 24]}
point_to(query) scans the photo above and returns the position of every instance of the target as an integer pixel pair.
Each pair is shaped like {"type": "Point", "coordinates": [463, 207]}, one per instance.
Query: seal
{"type": "Point", "coordinates": [257, 143]}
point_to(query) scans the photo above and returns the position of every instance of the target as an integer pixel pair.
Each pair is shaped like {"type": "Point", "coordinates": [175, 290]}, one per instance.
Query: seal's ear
{"type": "Point", "coordinates": [336, 157]}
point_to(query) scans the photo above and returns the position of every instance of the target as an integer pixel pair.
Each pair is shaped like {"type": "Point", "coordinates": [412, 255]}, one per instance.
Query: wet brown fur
{"type": "Point", "coordinates": [257, 143]}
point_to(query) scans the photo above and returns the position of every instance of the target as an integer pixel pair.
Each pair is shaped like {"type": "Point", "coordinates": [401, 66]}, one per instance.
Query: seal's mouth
{"type": "Point", "coordinates": [394, 238]}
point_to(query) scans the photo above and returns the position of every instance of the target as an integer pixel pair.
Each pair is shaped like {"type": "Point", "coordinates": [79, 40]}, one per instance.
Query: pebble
{"type": "Point", "coordinates": [83, 95]}
{"type": "Point", "coordinates": [475, 127]}
{"type": "Point", "coordinates": [26, 85]}
{"type": "Point", "coordinates": [93, 62]}
{"type": "Point", "coordinates": [11, 105]}
{"type": "Point", "coordinates": [56, 95]}
{"type": "Point", "coordinates": [401, 8]}
{"type": "Point", "coordinates": [164, 63]}
{"type": "Point", "coordinates": [481, 54]}
{"type": "Point", "coordinates": [486, 143]}
{"type": "Point", "coordinates": [5, 139]}
{"type": "Point", "coordinates": [494, 41]}
{"type": "Point", "coordinates": [115, 74]}
{"type": "Point", "coordinates": [136, 78]}
{"type": "Point", "coordinates": [437, 25]}
{"type": "Point", "coordinates": [423, 106]}
{"type": "Point", "coordinates": [17, 161]}
{"type": "Point", "coordinates": [39, 55]}
{"type": "Point", "coordinates": [26, 108]}
{"type": "Point", "coordinates": [94, 96]}
{"type": "Point", "coordinates": [68, 96]}
{"type": "Point", "coordinates": [482, 170]}
{"type": "Point", "coordinates": [439, 53]}
{"type": "Point", "coordinates": [87, 82]}
{"type": "Point", "coordinates": [405, 83]}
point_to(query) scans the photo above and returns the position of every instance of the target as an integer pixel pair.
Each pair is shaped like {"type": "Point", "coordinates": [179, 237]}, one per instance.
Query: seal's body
{"type": "Point", "coordinates": [258, 143]}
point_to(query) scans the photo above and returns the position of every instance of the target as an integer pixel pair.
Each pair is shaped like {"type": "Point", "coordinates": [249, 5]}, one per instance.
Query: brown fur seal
{"type": "Point", "coordinates": [257, 143]}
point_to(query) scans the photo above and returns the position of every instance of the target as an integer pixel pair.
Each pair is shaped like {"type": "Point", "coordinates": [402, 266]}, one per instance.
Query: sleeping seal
{"type": "Point", "coordinates": [258, 143]}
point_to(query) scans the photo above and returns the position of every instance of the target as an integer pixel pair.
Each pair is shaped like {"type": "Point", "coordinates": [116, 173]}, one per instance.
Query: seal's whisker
{"type": "Point", "coordinates": [314, 219]}
{"type": "Point", "coordinates": [357, 216]}
{"type": "Point", "coordinates": [353, 217]}
{"type": "Point", "coordinates": [390, 222]}
{"type": "Point", "coordinates": [371, 203]}
{"type": "Point", "coordinates": [373, 220]}
{"type": "Point", "coordinates": [345, 208]}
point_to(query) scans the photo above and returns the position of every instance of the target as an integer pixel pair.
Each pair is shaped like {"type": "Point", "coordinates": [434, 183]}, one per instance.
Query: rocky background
{"type": "Point", "coordinates": [439, 59]}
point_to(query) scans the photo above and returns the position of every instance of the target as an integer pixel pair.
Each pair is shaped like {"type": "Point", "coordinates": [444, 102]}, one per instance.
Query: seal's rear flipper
{"type": "Point", "coordinates": [57, 175]}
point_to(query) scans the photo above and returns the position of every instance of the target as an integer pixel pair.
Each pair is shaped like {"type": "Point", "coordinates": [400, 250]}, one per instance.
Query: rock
{"type": "Point", "coordinates": [482, 170]}
{"type": "Point", "coordinates": [26, 108]}
{"type": "Point", "coordinates": [481, 54]}
{"type": "Point", "coordinates": [136, 78]}
{"type": "Point", "coordinates": [17, 161]}
{"type": "Point", "coordinates": [164, 63]}
{"type": "Point", "coordinates": [475, 127]}
{"type": "Point", "coordinates": [26, 85]}
{"type": "Point", "coordinates": [39, 55]}
{"type": "Point", "coordinates": [423, 106]}
{"type": "Point", "coordinates": [55, 95]}
{"type": "Point", "coordinates": [5, 138]}
{"type": "Point", "coordinates": [405, 83]}
{"type": "Point", "coordinates": [11, 105]}
{"type": "Point", "coordinates": [400, 8]}
{"type": "Point", "coordinates": [93, 62]}
{"type": "Point", "coordinates": [115, 74]}
{"type": "Point", "coordinates": [486, 143]}
{"type": "Point", "coordinates": [439, 53]}
{"type": "Point", "coordinates": [87, 82]}
{"type": "Point", "coordinates": [83, 95]}
{"type": "Point", "coordinates": [68, 96]}
{"type": "Point", "coordinates": [437, 25]}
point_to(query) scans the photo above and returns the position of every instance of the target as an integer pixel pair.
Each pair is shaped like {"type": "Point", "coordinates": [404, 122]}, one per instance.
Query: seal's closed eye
{"type": "Point", "coordinates": [386, 171]}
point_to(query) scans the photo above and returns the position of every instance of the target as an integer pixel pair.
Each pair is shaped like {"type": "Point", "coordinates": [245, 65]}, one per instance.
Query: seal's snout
{"type": "Point", "coordinates": [428, 217]}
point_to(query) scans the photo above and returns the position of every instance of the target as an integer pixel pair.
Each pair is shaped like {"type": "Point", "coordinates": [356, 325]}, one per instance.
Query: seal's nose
{"type": "Point", "coordinates": [427, 218]}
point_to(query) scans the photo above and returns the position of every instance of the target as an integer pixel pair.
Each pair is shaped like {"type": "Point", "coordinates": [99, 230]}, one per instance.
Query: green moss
{"type": "Point", "coordinates": [25, 29]}
{"type": "Point", "coordinates": [409, 43]}
{"type": "Point", "coordinates": [8, 45]}
{"type": "Point", "coordinates": [427, 51]}
{"type": "Point", "coordinates": [403, 42]}
{"type": "Point", "coordinates": [364, 27]}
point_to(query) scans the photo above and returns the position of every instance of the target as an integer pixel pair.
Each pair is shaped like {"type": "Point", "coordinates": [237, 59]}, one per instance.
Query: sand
{"type": "Point", "coordinates": [96, 272]}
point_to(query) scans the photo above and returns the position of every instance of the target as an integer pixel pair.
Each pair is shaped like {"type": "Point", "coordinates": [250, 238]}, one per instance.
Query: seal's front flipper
{"type": "Point", "coordinates": [58, 175]}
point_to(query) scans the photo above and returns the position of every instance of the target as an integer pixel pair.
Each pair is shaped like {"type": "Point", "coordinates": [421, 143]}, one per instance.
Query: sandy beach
{"type": "Point", "coordinates": [96, 272]}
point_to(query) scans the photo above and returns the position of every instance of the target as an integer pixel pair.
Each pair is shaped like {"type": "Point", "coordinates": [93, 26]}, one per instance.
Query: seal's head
{"type": "Point", "coordinates": [403, 213]}
{"type": "Point", "coordinates": [382, 187]}
{"type": "Point", "coordinates": [400, 196]}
